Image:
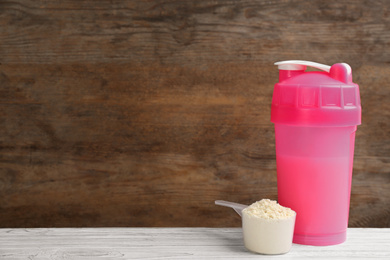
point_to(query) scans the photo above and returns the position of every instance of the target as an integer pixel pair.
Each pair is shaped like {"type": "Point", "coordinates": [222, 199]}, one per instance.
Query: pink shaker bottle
{"type": "Point", "coordinates": [315, 115]}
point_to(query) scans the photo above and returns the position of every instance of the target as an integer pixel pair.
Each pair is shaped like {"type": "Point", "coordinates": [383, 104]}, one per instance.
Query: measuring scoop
{"type": "Point", "coordinates": [262, 234]}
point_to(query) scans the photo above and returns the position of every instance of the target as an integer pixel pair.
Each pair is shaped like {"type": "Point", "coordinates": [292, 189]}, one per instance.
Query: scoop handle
{"type": "Point", "coordinates": [236, 206]}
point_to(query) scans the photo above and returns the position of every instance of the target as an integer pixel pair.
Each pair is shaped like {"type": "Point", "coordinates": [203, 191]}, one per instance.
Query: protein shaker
{"type": "Point", "coordinates": [315, 114]}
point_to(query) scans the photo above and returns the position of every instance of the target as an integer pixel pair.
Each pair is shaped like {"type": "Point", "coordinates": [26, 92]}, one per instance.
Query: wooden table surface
{"type": "Point", "coordinates": [172, 243]}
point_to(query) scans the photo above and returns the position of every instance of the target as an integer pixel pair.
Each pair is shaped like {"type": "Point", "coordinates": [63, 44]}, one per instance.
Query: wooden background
{"type": "Point", "coordinates": [142, 113]}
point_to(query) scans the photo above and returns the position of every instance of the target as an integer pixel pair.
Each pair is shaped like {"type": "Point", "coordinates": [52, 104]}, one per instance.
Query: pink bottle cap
{"type": "Point", "coordinates": [315, 98]}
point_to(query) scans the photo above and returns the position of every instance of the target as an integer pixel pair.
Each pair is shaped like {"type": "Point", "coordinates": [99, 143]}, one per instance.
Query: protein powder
{"type": "Point", "coordinates": [268, 227]}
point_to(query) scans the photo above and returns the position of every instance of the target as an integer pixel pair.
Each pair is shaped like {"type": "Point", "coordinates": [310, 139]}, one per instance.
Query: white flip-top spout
{"type": "Point", "coordinates": [300, 65]}
{"type": "Point", "coordinates": [291, 68]}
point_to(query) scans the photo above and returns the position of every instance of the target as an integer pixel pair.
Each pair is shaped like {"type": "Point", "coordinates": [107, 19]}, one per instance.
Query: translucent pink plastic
{"type": "Point", "coordinates": [315, 116]}
{"type": "Point", "coordinates": [314, 172]}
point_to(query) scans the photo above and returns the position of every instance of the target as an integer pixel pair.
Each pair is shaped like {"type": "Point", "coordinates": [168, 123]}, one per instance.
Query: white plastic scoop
{"type": "Point", "coordinates": [265, 229]}
{"type": "Point", "coordinates": [236, 206]}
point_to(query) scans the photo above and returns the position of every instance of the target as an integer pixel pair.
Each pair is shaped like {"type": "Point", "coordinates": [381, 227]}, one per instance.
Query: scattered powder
{"type": "Point", "coordinates": [268, 209]}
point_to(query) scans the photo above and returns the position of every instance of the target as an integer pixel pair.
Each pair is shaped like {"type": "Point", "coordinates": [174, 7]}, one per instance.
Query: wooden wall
{"type": "Point", "coordinates": [142, 113]}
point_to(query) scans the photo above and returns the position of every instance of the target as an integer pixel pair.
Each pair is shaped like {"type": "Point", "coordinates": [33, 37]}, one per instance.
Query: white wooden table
{"type": "Point", "coordinates": [172, 243]}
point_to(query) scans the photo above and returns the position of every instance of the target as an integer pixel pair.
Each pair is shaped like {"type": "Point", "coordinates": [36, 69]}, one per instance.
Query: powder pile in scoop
{"type": "Point", "coordinates": [268, 209]}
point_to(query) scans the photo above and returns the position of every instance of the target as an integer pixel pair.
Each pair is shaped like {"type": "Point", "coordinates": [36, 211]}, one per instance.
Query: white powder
{"type": "Point", "coordinates": [268, 227]}
{"type": "Point", "coordinates": [268, 209]}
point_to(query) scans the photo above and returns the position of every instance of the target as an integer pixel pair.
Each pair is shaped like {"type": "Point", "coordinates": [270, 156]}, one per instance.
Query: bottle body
{"type": "Point", "coordinates": [314, 173]}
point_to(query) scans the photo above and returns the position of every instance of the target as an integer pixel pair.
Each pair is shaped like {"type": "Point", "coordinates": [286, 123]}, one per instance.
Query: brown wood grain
{"type": "Point", "coordinates": [142, 113]}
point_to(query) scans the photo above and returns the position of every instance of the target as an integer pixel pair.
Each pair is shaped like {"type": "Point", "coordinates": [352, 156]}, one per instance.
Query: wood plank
{"type": "Point", "coordinates": [194, 32]}
{"type": "Point", "coordinates": [72, 156]}
{"type": "Point", "coordinates": [172, 243]}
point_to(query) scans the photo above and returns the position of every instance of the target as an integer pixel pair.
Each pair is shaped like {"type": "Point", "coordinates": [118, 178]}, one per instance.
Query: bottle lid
{"type": "Point", "coordinates": [315, 98]}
